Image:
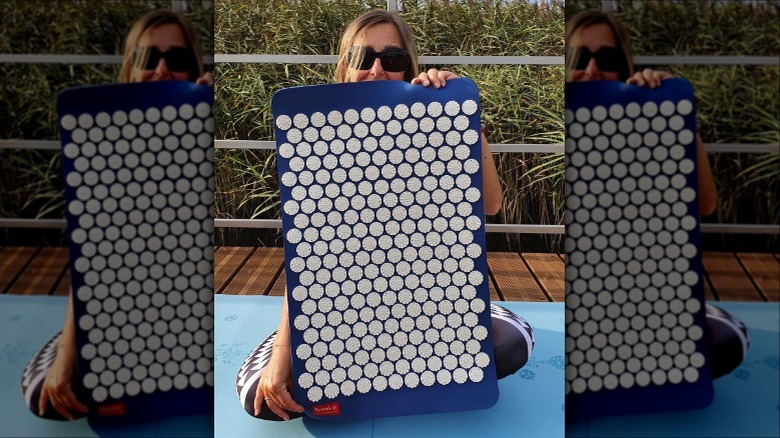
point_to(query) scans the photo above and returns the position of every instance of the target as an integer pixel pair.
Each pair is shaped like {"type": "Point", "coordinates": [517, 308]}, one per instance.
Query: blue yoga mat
{"type": "Point", "coordinates": [26, 323]}
{"type": "Point", "coordinates": [746, 403]}
{"type": "Point", "coordinates": [530, 401]}
{"type": "Point", "coordinates": [635, 292]}
{"type": "Point", "coordinates": [138, 168]}
{"type": "Point", "coordinates": [396, 169]}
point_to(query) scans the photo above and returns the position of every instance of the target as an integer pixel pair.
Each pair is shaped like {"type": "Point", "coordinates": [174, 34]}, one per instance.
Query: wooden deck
{"type": "Point", "coordinates": [513, 277]}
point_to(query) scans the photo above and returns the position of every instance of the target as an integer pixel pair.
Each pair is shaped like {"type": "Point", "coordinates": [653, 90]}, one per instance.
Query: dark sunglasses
{"type": "Point", "coordinates": [392, 59]}
{"type": "Point", "coordinates": [179, 59]}
{"type": "Point", "coordinates": [607, 58]}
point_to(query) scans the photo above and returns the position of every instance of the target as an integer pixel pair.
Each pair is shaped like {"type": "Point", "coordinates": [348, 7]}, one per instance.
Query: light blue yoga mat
{"type": "Point", "coordinates": [26, 323]}
{"type": "Point", "coordinates": [530, 401]}
{"type": "Point", "coordinates": [746, 404]}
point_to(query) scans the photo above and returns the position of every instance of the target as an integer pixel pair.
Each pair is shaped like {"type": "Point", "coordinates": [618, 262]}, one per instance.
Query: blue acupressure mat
{"type": "Point", "coordinates": [635, 299]}
{"type": "Point", "coordinates": [531, 401]}
{"type": "Point", "coordinates": [383, 218]}
{"type": "Point", "coordinates": [746, 401]}
{"type": "Point", "coordinates": [26, 323]}
{"type": "Point", "coordinates": [138, 167]}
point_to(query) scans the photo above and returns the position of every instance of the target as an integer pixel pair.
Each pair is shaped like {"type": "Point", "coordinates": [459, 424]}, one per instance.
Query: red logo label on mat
{"type": "Point", "coordinates": [327, 409]}
{"type": "Point", "coordinates": [111, 409]}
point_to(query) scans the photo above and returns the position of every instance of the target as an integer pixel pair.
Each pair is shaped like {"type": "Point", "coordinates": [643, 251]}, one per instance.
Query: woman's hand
{"type": "Point", "coordinates": [274, 384]}
{"type": "Point", "coordinates": [206, 79]}
{"type": "Point", "coordinates": [437, 78]}
{"type": "Point", "coordinates": [58, 385]}
{"type": "Point", "coordinates": [649, 78]}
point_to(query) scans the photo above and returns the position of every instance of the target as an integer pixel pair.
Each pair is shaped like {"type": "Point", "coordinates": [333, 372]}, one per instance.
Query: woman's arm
{"type": "Point", "coordinates": [276, 381]}
{"type": "Point", "coordinates": [491, 186]}
{"type": "Point", "coordinates": [58, 387]}
{"type": "Point", "coordinates": [708, 194]}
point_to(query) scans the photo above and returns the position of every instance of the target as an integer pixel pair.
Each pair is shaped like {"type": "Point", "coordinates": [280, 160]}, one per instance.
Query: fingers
{"type": "Point", "coordinates": [649, 78]}
{"type": "Point", "coordinates": [434, 77]}
{"type": "Point", "coordinates": [287, 401]}
{"type": "Point", "coordinates": [206, 79]}
{"type": "Point", "coordinates": [61, 407]}
{"type": "Point", "coordinates": [42, 401]}
{"type": "Point", "coordinates": [72, 402]}
{"type": "Point", "coordinates": [277, 398]}
{"type": "Point", "coordinates": [276, 409]}
{"type": "Point", "coordinates": [63, 400]}
{"type": "Point", "coordinates": [258, 405]}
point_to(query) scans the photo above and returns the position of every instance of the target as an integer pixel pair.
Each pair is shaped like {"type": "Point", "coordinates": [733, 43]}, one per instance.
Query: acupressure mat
{"type": "Point", "coordinates": [384, 242]}
{"type": "Point", "coordinates": [635, 324]}
{"type": "Point", "coordinates": [138, 166]}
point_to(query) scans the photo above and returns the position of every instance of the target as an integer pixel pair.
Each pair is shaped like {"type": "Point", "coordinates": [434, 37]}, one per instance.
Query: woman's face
{"type": "Point", "coordinates": [378, 37]}
{"type": "Point", "coordinates": [593, 38]}
{"type": "Point", "coordinates": [163, 38]}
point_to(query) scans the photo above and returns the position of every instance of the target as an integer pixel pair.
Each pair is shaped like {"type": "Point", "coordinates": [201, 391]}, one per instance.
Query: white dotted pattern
{"type": "Point", "coordinates": [141, 196]}
{"type": "Point", "coordinates": [395, 274]}
{"type": "Point", "coordinates": [630, 218]}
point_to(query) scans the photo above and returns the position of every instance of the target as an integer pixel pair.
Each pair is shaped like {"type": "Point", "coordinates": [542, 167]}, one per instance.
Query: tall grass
{"type": "Point", "coordinates": [736, 104]}
{"type": "Point", "coordinates": [31, 181]}
{"type": "Point", "coordinates": [521, 104]}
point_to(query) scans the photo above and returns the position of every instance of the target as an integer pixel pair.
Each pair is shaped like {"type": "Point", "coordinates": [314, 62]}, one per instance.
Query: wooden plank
{"type": "Point", "coordinates": [227, 263]}
{"type": "Point", "coordinates": [494, 296]}
{"type": "Point", "coordinates": [13, 261]}
{"type": "Point", "coordinates": [549, 272]}
{"type": "Point", "coordinates": [63, 288]}
{"type": "Point", "coordinates": [765, 272]}
{"type": "Point", "coordinates": [708, 292]}
{"type": "Point", "coordinates": [43, 274]}
{"type": "Point", "coordinates": [513, 279]}
{"type": "Point", "coordinates": [258, 274]}
{"type": "Point", "coordinates": [729, 280]}
{"type": "Point", "coordinates": [279, 286]}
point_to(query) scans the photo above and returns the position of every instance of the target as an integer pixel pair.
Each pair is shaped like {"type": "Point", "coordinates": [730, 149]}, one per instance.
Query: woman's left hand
{"type": "Point", "coordinates": [649, 78]}
{"type": "Point", "coordinates": [206, 79]}
{"type": "Point", "coordinates": [437, 78]}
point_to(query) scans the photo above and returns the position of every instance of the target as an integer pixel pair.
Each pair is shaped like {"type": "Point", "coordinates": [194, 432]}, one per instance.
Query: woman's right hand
{"type": "Point", "coordinates": [58, 385]}
{"type": "Point", "coordinates": [275, 383]}
{"type": "Point", "coordinates": [649, 78]}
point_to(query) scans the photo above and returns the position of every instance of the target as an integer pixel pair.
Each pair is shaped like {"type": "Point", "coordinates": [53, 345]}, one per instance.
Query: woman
{"type": "Point", "coordinates": [163, 46]}
{"type": "Point", "coordinates": [598, 48]}
{"type": "Point", "coordinates": [378, 45]}
{"type": "Point", "coordinates": [160, 46]}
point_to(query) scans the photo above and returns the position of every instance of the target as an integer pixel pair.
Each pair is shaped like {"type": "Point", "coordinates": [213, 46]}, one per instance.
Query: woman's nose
{"type": "Point", "coordinates": [593, 69]}
{"type": "Point", "coordinates": [376, 69]}
{"type": "Point", "coordinates": [162, 69]}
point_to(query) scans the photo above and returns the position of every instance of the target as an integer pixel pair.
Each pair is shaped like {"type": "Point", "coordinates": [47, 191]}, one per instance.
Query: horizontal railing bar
{"type": "Point", "coordinates": [30, 144]}
{"type": "Point", "coordinates": [32, 223]}
{"type": "Point", "coordinates": [516, 148]}
{"type": "Point", "coordinates": [332, 59]}
{"type": "Point", "coordinates": [711, 148]}
{"type": "Point", "coordinates": [492, 228]}
{"type": "Point", "coordinates": [52, 58]}
{"type": "Point", "coordinates": [740, 229]}
{"type": "Point", "coordinates": [707, 60]}
{"type": "Point", "coordinates": [748, 148]}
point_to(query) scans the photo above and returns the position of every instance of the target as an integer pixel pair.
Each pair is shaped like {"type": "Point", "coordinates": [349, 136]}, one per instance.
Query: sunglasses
{"type": "Point", "coordinates": [393, 59]}
{"type": "Point", "coordinates": [179, 59]}
{"type": "Point", "coordinates": [607, 58]}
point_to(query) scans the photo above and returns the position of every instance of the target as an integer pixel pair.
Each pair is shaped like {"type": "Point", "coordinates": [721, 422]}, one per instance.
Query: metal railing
{"type": "Point", "coordinates": [460, 60]}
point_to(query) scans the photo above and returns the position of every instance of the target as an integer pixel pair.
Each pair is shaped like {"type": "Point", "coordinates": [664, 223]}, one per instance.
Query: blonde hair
{"type": "Point", "coordinates": [594, 16]}
{"type": "Point", "coordinates": [355, 30]}
{"type": "Point", "coordinates": [140, 30]}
